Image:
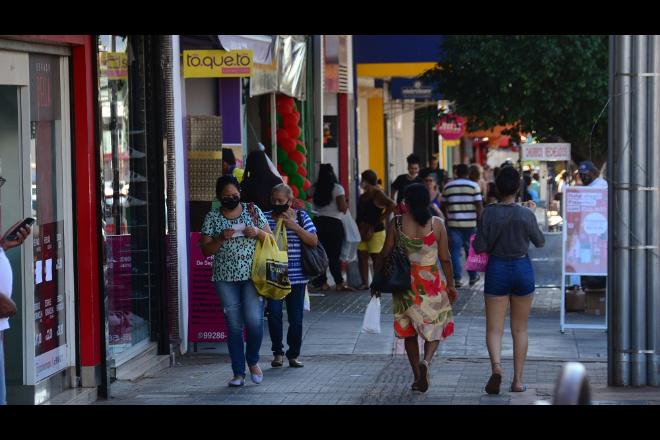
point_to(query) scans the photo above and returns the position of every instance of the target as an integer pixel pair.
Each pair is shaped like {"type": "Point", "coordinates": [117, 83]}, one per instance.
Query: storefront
{"type": "Point", "coordinates": [238, 107]}
{"type": "Point", "coordinates": [132, 164]}
{"type": "Point", "coordinates": [44, 99]}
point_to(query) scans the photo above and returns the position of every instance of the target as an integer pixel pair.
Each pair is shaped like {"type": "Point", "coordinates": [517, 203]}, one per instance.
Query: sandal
{"type": "Point", "coordinates": [344, 288]}
{"type": "Point", "coordinates": [415, 386]}
{"type": "Point", "coordinates": [363, 287]}
{"type": "Point", "coordinates": [519, 390]}
{"type": "Point", "coordinates": [493, 385]}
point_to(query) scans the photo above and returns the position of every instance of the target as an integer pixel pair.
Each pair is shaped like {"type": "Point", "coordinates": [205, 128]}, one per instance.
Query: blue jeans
{"type": "Point", "coordinates": [509, 276]}
{"type": "Point", "coordinates": [294, 310]}
{"type": "Point", "coordinates": [3, 389]}
{"type": "Point", "coordinates": [459, 238]}
{"type": "Point", "coordinates": [242, 306]}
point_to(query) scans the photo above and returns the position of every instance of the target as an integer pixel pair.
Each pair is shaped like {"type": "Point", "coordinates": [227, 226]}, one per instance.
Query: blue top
{"type": "Point", "coordinates": [296, 275]}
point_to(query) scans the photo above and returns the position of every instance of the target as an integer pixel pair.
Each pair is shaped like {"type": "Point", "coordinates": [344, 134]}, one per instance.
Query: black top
{"type": "Point", "coordinates": [401, 183]}
{"type": "Point", "coordinates": [369, 213]}
{"type": "Point", "coordinates": [258, 192]}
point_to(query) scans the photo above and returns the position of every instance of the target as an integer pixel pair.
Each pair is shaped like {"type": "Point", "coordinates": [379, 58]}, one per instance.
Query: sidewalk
{"type": "Point", "coordinates": [345, 366]}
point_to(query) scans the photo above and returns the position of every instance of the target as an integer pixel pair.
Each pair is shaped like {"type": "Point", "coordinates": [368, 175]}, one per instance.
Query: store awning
{"type": "Point", "coordinates": [261, 45]}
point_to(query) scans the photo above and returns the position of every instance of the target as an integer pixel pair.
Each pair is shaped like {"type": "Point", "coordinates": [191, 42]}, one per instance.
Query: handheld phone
{"type": "Point", "coordinates": [13, 235]}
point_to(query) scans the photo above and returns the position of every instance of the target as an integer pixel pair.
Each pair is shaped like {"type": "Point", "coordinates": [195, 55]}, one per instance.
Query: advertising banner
{"type": "Point", "coordinates": [586, 231]}
{"type": "Point", "coordinates": [555, 152]}
{"type": "Point", "coordinates": [206, 322]}
{"type": "Point", "coordinates": [217, 63]}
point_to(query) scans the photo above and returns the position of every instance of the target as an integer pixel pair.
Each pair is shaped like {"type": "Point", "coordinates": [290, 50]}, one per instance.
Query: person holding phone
{"type": "Point", "coordinates": [14, 237]}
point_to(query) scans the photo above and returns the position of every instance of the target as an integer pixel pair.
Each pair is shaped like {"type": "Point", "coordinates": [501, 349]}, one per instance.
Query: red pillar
{"type": "Point", "coordinates": [342, 104]}
{"type": "Point", "coordinates": [87, 200]}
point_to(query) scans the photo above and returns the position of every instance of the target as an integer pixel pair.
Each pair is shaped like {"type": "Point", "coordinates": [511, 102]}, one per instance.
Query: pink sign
{"type": "Point", "coordinates": [450, 127]}
{"type": "Point", "coordinates": [206, 321]}
{"type": "Point", "coordinates": [586, 230]}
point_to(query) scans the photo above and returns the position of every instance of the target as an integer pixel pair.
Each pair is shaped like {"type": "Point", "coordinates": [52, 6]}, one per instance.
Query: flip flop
{"type": "Point", "coordinates": [522, 390]}
{"type": "Point", "coordinates": [493, 385]}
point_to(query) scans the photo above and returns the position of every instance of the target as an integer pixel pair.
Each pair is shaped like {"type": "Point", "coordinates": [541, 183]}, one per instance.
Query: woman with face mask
{"type": "Point", "coordinates": [299, 229]}
{"type": "Point", "coordinates": [230, 235]}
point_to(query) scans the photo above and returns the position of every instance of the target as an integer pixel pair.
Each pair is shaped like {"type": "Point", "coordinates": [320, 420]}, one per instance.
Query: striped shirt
{"type": "Point", "coordinates": [296, 275]}
{"type": "Point", "coordinates": [461, 197]}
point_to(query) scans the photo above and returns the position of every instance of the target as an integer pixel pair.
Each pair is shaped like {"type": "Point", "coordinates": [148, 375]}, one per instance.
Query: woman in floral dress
{"type": "Point", "coordinates": [425, 309]}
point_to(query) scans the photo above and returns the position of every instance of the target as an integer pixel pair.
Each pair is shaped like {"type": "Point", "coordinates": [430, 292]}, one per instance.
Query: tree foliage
{"type": "Point", "coordinates": [554, 86]}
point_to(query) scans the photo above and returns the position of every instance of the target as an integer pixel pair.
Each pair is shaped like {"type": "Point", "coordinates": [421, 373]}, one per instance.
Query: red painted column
{"type": "Point", "coordinates": [87, 199]}
{"type": "Point", "coordinates": [342, 113]}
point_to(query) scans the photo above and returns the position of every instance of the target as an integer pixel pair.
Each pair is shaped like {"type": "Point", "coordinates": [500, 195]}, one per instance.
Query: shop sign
{"type": "Point", "coordinates": [217, 63]}
{"type": "Point", "coordinates": [450, 126]}
{"type": "Point", "coordinates": [555, 152]}
{"type": "Point", "coordinates": [114, 65]}
{"type": "Point", "coordinates": [418, 90]}
{"type": "Point", "coordinates": [586, 231]}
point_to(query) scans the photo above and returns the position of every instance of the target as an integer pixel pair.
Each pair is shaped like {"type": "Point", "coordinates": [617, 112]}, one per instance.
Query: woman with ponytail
{"type": "Point", "coordinates": [424, 309]}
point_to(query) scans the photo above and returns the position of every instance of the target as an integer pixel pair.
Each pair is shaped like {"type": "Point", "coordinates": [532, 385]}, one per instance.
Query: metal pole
{"type": "Point", "coordinates": [638, 213]}
{"type": "Point", "coordinates": [653, 238]}
{"type": "Point", "coordinates": [619, 214]}
{"type": "Point", "coordinates": [611, 273]}
{"type": "Point", "coordinates": [273, 128]}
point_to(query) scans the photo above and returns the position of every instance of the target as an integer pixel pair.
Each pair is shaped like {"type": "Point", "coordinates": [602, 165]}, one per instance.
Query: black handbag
{"type": "Point", "coordinates": [395, 276]}
{"type": "Point", "coordinates": [314, 259]}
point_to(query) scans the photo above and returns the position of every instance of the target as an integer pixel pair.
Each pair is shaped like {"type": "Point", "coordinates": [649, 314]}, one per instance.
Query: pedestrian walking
{"type": "Point", "coordinates": [229, 164]}
{"type": "Point", "coordinates": [462, 205]}
{"type": "Point", "coordinates": [330, 204]}
{"type": "Point", "coordinates": [401, 182]}
{"type": "Point", "coordinates": [505, 231]}
{"type": "Point", "coordinates": [433, 170]}
{"type": "Point", "coordinates": [424, 309]}
{"type": "Point", "coordinates": [475, 174]}
{"type": "Point", "coordinates": [230, 235]}
{"type": "Point", "coordinates": [299, 230]}
{"type": "Point", "coordinates": [7, 306]}
{"type": "Point", "coordinates": [435, 195]}
{"type": "Point", "coordinates": [373, 209]}
{"type": "Point", "coordinates": [258, 180]}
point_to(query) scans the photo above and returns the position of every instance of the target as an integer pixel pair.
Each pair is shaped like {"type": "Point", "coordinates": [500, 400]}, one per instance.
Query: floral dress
{"type": "Point", "coordinates": [425, 309]}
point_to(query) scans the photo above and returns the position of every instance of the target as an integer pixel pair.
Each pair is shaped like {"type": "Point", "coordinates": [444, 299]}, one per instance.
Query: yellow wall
{"type": "Point", "coordinates": [383, 70]}
{"type": "Point", "coordinates": [377, 136]}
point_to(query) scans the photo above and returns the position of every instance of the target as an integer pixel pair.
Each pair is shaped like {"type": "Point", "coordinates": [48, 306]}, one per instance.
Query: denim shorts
{"type": "Point", "coordinates": [509, 276]}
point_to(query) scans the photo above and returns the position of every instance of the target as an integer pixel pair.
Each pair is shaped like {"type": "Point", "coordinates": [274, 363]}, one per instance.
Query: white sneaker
{"type": "Point", "coordinates": [237, 381]}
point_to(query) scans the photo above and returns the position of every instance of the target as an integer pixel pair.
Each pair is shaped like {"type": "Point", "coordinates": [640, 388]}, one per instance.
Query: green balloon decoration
{"type": "Point", "coordinates": [281, 155]}
{"type": "Point", "coordinates": [302, 149]}
{"type": "Point", "coordinates": [302, 195]}
{"type": "Point", "coordinates": [296, 179]}
{"type": "Point", "coordinates": [290, 168]}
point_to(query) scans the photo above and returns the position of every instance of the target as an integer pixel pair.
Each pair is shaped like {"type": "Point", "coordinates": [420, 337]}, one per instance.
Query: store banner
{"type": "Point", "coordinates": [586, 231]}
{"type": "Point", "coordinates": [217, 63]}
{"type": "Point", "coordinates": [554, 152]}
{"type": "Point", "coordinates": [206, 321]}
{"type": "Point", "coordinates": [119, 290]}
{"type": "Point", "coordinates": [114, 65]}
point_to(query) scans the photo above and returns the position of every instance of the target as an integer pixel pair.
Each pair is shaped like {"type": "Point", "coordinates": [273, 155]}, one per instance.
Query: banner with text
{"type": "Point", "coordinates": [586, 230]}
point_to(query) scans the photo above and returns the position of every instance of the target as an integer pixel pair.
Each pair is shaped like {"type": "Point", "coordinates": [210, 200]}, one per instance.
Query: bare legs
{"type": "Point", "coordinates": [495, 313]}
{"type": "Point", "coordinates": [363, 262]}
{"type": "Point", "coordinates": [412, 350]}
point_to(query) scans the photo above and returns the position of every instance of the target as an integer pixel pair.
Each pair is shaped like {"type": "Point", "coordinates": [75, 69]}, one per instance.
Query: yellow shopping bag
{"type": "Point", "coordinates": [270, 268]}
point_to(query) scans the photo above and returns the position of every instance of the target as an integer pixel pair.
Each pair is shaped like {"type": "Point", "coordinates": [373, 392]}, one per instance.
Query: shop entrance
{"type": "Point", "coordinates": [35, 162]}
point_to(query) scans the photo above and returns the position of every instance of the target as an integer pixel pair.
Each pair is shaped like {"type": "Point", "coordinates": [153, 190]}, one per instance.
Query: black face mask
{"type": "Point", "coordinates": [280, 209]}
{"type": "Point", "coordinates": [586, 178]}
{"type": "Point", "coordinates": [230, 202]}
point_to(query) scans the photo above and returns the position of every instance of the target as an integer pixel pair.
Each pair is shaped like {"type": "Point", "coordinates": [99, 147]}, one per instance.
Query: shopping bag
{"type": "Point", "coordinates": [351, 238]}
{"type": "Point", "coordinates": [270, 268]}
{"type": "Point", "coordinates": [371, 322]}
{"type": "Point", "coordinates": [476, 262]}
{"type": "Point", "coordinates": [306, 305]}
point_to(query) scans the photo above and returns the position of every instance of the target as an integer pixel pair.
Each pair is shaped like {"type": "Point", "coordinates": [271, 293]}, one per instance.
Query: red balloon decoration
{"type": "Point", "coordinates": [282, 134]}
{"type": "Point", "coordinates": [294, 132]}
{"type": "Point", "coordinates": [279, 169]}
{"type": "Point", "coordinates": [291, 120]}
{"type": "Point", "coordinates": [295, 191]}
{"type": "Point", "coordinates": [284, 109]}
{"type": "Point", "coordinates": [306, 185]}
{"type": "Point", "coordinates": [288, 145]}
{"type": "Point", "coordinates": [283, 99]}
{"type": "Point", "coordinates": [302, 171]}
{"type": "Point", "coordinates": [297, 157]}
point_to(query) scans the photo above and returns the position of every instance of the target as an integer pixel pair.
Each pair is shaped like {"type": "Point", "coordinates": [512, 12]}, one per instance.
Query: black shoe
{"type": "Point", "coordinates": [278, 361]}
{"type": "Point", "coordinates": [295, 363]}
{"type": "Point", "coordinates": [458, 284]}
{"type": "Point", "coordinates": [474, 281]}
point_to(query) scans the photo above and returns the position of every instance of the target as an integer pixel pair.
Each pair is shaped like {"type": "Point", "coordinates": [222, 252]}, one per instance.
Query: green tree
{"type": "Point", "coordinates": [556, 86]}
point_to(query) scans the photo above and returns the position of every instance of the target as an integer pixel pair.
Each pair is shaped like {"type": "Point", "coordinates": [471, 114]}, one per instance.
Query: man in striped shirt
{"type": "Point", "coordinates": [462, 203]}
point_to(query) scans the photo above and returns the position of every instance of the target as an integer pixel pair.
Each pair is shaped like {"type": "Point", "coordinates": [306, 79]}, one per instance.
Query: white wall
{"type": "Point", "coordinates": [402, 132]}
{"type": "Point", "coordinates": [202, 96]}
{"type": "Point", "coordinates": [363, 134]}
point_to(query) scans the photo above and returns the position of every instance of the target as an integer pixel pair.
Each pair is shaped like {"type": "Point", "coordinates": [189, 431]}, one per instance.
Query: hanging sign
{"type": "Point", "coordinates": [450, 126]}
{"type": "Point", "coordinates": [217, 63]}
{"type": "Point", "coordinates": [555, 152]}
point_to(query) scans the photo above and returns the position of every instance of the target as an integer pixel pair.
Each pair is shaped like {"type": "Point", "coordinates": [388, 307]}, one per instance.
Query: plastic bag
{"type": "Point", "coordinates": [351, 238]}
{"type": "Point", "coordinates": [371, 322]}
{"type": "Point", "coordinates": [270, 268]}
{"type": "Point", "coordinates": [476, 262]}
{"type": "Point", "coordinates": [306, 305]}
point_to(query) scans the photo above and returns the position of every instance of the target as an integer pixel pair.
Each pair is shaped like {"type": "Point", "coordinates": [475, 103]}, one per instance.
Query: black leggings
{"type": "Point", "coordinates": [331, 234]}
